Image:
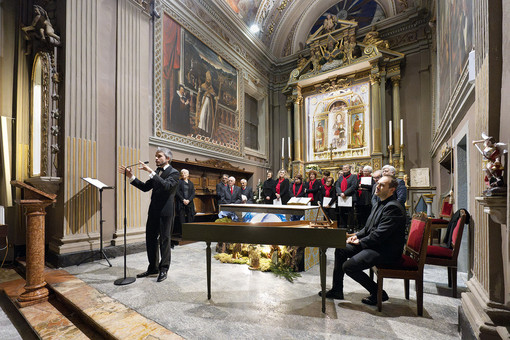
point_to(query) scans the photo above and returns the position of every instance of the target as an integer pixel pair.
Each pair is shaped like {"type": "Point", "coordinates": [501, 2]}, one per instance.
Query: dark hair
{"type": "Point", "coordinates": [326, 173]}
{"type": "Point", "coordinates": [312, 172]}
{"type": "Point", "coordinates": [299, 176]}
{"type": "Point", "coordinates": [393, 182]}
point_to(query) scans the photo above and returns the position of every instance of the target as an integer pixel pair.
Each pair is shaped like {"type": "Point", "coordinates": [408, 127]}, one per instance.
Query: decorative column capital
{"type": "Point", "coordinates": [395, 81]}
{"type": "Point", "coordinates": [375, 78]}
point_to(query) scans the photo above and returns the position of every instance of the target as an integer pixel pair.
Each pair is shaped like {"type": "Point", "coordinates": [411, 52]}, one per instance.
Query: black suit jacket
{"type": "Point", "coordinates": [352, 187]}
{"type": "Point", "coordinates": [180, 195]}
{"type": "Point", "coordinates": [269, 189]}
{"type": "Point", "coordinates": [164, 187]}
{"type": "Point", "coordinates": [248, 192]}
{"type": "Point", "coordinates": [284, 190]}
{"type": "Point", "coordinates": [315, 190]}
{"type": "Point", "coordinates": [385, 229]}
{"type": "Point", "coordinates": [219, 188]}
{"type": "Point", "coordinates": [230, 198]}
{"type": "Point", "coordinates": [296, 188]}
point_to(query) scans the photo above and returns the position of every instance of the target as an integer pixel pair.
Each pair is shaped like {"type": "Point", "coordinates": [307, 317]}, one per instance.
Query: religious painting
{"type": "Point", "coordinates": [247, 9]}
{"type": "Point", "coordinates": [357, 136]}
{"type": "Point", "coordinates": [199, 90]}
{"type": "Point", "coordinates": [364, 12]}
{"type": "Point", "coordinates": [338, 123]}
{"type": "Point", "coordinates": [320, 134]}
{"type": "Point", "coordinates": [454, 42]}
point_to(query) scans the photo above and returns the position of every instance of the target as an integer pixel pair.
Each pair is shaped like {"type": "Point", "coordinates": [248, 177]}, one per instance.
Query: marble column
{"type": "Point", "coordinates": [395, 81]}
{"type": "Point", "coordinates": [298, 127]}
{"type": "Point", "coordinates": [376, 113]}
{"type": "Point", "coordinates": [35, 287]}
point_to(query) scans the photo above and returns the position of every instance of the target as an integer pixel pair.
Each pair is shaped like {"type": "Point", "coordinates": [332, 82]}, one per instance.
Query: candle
{"type": "Point", "coordinates": [289, 146]}
{"type": "Point", "coordinates": [391, 134]}
{"type": "Point", "coordinates": [401, 132]}
{"type": "Point", "coordinates": [283, 142]}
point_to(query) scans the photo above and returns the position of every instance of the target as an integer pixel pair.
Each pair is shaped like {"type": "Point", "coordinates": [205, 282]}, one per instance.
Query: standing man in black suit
{"type": "Point", "coordinates": [160, 220]}
{"type": "Point", "coordinates": [381, 241]}
{"type": "Point", "coordinates": [346, 186]}
{"type": "Point", "coordinates": [232, 194]}
{"type": "Point", "coordinates": [246, 192]}
{"type": "Point", "coordinates": [222, 185]}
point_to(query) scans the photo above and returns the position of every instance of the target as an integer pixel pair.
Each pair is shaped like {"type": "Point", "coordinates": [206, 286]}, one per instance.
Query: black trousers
{"type": "Point", "coordinates": [345, 217]}
{"type": "Point", "coordinates": [363, 213]}
{"type": "Point", "coordinates": [158, 227]}
{"type": "Point", "coordinates": [352, 260]}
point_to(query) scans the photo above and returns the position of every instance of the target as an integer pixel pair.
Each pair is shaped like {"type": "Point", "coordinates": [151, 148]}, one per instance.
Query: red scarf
{"type": "Point", "coordinates": [294, 189]}
{"type": "Point", "coordinates": [278, 185]}
{"type": "Point", "coordinates": [310, 186]}
{"type": "Point", "coordinates": [328, 191]}
{"type": "Point", "coordinates": [343, 184]}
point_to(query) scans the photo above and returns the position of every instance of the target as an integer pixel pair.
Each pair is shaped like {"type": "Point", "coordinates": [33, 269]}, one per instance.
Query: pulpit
{"type": "Point", "coordinates": [35, 202]}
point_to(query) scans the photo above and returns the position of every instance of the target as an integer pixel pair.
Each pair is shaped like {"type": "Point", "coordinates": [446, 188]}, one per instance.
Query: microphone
{"type": "Point", "coordinates": [146, 162]}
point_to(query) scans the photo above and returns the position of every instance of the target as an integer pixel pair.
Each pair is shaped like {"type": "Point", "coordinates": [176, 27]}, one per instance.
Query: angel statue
{"type": "Point", "coordinates": [493, 153]}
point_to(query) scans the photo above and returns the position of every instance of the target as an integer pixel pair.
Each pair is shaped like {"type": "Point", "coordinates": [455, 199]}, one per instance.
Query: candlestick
{"type": "Point", "coordinates": [283, 143]}
{"type": "Point", "coordinates": [390, 152]}
{"type": "Point", "coordinates": [283, 164]}
{"type": "Point", "coordinates": [401, 132]}
{"type": "Point", "coordinates": [289, 147]}
{"type": "Point", "coordinates": [401, 170]}
{"type": "Point", "coordinates": [391, 134]}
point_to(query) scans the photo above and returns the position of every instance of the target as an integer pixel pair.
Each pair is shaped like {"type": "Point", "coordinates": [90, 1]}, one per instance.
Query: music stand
{"type": "Point", "coordinates": [101, 186]}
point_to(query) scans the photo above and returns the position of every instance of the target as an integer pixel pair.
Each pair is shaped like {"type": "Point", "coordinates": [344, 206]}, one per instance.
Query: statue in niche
{"type": "Point", "coordinates": [493, 171]}
{"type": "Point", "coordinates": [351, 49]}
{"type": "Point", "coordinates": [372, 38]}
{"type": "Point", "coordinates": [41, 27]}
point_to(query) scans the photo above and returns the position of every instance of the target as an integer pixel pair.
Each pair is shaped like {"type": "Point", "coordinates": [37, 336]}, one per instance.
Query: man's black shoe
{"type": "Point", "coordinates": [372, 299]}
{"type": "Point", "coordinates": [162, 276]}
{"type": "Point", "coordinates": [147, 273]}
{"type": "Point", "coordinates": [333, 294]}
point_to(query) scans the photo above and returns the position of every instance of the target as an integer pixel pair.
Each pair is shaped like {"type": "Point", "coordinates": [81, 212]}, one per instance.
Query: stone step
{"type": "Point", "coordinates": [78, 311]}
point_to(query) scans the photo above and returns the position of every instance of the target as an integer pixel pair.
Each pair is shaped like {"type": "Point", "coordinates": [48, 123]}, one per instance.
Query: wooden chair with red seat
{"type": "Point", "coordinates": [444, 256]}
{"type": "Point", "coordinates": [411, 264]}
{"type": "Point", "coordinates": [444, 218]}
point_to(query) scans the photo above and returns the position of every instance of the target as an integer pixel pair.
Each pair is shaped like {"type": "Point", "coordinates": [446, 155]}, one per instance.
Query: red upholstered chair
{"type": "Point", "coordinates": [443, 256]}
{"type": "Point", "coordinates": [444, 218]}
{"type": "Point", "coordinates": [411, 264]}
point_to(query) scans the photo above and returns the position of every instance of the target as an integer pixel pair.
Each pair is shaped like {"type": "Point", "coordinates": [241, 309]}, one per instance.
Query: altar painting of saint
{"type": "Point", "coordinates": [338, 131]}
{"type": "Point", "coordinates": [357, 138]}
{"type": "Point", "coordinates": [320, 135]}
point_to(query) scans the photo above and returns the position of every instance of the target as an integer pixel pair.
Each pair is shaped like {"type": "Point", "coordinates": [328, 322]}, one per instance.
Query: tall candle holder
{"type": "Point", "coordinates": [390, 151]}
{"type": "Point", "coordinates": [401, 170]}
{"type": "Point", "coordinates": [289, 167]}
{"type": "Point", "coordinates": [283, 163]}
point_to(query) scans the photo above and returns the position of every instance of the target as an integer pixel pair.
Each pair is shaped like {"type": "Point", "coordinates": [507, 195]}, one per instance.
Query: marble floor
{"type": "Point", "coordinates": [254, 305]}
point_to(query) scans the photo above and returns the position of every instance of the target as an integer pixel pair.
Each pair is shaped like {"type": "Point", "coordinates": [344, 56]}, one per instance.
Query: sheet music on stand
{"type": "Point", "coordinates": [101, 186]}
{"type": "Point", "coordinates": [97, 183]}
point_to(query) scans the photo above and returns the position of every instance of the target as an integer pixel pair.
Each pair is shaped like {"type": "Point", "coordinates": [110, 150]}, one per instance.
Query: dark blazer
{"type": "Point", "coordinates": [269, 189]}
{"type": "Point", "coordinates": [164, 187]}
{"type": "Point", "coordinates": [299, 193]}
{"type": "Point", "coordinates": [352, 187]}
{"type": "Point", "coordinates": [229, 198]}
{"type": "Point", "coordinates": [333, 195]}
{"type": "Point", "coordinates": [219, 188]}
{"type": "Point", "coordinates": [248, 192]}
{"type": "Point", "coordinates": [400, 193]}
{"type": "Point", "coordinates": [315, 190]}
{"type": "Point", "coordinates": [181, 196]}
{"type": "Point", "coordinates": [284, 190]}
{"type": "Point", "coordinates": [385, 229]}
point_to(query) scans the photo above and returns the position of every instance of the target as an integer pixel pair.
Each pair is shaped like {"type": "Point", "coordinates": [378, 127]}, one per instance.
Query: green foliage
{"type": "Point", "coordinates": [281, 270]}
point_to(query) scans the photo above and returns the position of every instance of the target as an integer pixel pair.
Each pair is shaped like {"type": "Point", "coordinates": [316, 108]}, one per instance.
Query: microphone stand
{"type": "Point", "coordinates": [125, 280]}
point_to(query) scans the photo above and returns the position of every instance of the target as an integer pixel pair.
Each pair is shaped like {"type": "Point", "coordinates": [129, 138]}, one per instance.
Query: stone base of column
{"type": "Point", "coordinates": [33, 295]}
{"type": "Point", "coordinates": [486, 319]}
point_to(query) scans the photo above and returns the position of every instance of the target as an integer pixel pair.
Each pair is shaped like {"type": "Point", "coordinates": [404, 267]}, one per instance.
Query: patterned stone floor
{"type": "Point", "coordinates": [253, 305]}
